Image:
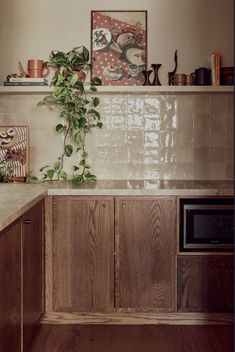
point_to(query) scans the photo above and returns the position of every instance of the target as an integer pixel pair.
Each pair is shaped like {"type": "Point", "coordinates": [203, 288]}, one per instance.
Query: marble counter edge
{"type": "Point", "coordinates": [20, 210]}
{"type": "Point", "coordinates": [24, 205]}
{"type": "Point", "coordinates": [140, 192]}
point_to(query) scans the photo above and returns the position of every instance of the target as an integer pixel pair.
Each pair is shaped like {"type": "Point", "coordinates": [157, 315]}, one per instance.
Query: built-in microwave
{"type": "Point", "coordinates": [206, 224]}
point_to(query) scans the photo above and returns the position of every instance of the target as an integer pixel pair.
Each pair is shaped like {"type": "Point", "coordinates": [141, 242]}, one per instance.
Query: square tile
{"type": "Point", "coordinates": [201, 155]}
{"type": "Point", "coordinates": [201, 171]}
{"type": "Point", "coordinates": [217, 155]}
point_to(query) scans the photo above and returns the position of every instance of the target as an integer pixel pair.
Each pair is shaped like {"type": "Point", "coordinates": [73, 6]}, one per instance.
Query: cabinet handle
{"type": "Point", "coordinates": [27, 221]}
{"type": "Point", "coordinates": [124, 205]}
{"type": "Point", "coordinates": [104, 205]}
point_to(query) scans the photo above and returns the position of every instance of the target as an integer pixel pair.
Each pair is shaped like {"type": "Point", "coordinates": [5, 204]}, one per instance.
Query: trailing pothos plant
{"type": "Point", "coordinates": [77, 111]}
{"type": "Point", "coordinates": [5, 172]}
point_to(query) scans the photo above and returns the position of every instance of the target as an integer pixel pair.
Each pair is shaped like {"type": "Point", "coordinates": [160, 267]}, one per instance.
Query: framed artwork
{"type": "Point", "coordinates": [119, 46]}
{"type": "Point", "coordinates": [14, 150]}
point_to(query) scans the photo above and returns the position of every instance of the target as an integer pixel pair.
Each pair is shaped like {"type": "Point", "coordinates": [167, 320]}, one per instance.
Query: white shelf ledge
{"type": "Point", "coordinates": [126, 89]}
{"type": "Point", "coordinates": [26, 89]}
{"type": "Point", "coordinates": [165, 89]}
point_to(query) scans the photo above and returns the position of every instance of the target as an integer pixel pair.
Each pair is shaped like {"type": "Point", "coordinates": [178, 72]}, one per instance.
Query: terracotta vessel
{"type": "Point", "coordinates": [36, 68]}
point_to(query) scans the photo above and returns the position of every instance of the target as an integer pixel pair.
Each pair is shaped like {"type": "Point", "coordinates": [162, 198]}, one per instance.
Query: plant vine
{"type": "Point", "coordinates": [77, 110]}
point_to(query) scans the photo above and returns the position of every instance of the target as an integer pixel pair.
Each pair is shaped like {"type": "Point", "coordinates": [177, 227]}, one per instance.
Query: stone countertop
{"type": "Point", "coordinates": [17, 198]}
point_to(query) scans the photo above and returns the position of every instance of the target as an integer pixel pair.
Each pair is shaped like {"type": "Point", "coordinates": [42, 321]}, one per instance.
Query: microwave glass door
{"type": "Point", "coordinates": [206, 226]}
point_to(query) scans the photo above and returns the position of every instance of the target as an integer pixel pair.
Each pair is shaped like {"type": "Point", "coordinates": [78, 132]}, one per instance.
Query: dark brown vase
{"type": "Point", "coordinates": [147, 74]}
{"type": "Point", "coordinates": [156, 81]}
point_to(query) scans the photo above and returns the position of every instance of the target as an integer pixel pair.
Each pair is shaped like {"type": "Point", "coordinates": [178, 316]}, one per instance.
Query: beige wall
{"type": "Point", "coordinates": [32, 28]}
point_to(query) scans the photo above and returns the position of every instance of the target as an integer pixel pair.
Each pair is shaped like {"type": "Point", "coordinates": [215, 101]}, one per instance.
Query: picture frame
{"type": "Point", "coordinates": [14, 151]}
{"type": "Point", "coordinates": [119, 47]}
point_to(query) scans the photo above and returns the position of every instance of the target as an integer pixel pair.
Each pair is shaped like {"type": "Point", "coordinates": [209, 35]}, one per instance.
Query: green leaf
{"type": "Point", "coordinates": [99, 125]}
{"type": "Point", "coordinates": [96, 82]}
{"type": "Point", "coordinates": [75, 168]}
{"type": "Point", "coordinates": [94, 112]}
{"type": "Point", "coordinates": [63, 175]}
{"type": "Point", "coordinates": [82, 122]}
{"type": "Point", "coordinates": [44, 167]}
{"type": "Point", "coordinates": [71, 56]}
{"type": "Point", "coordinates": [96, 101]}
{"type": "Point", "coordinates": [79, 85]}
{"type": "Point", "coordinates": [78, 180]}
{"type": "Point", "coordinates": [68, 150]}
{"type": "Point", "coordinates": [85, 53]}
{"type": "Point", "coordinates": [50, 174]}
{"type": "Point", "coordinates": [33, 178]}
{"type": "Point", "coordinates": [74, 80]}
{"type": "Point", "coordinates": [77, 137]}
{"type": "Point", "coordinates": [93, 89]}
{"type": "Point", "coordinates": [90, 177]}
{"type": "Point", "coordinates": [82, 162]}
{"type": "Point", "coordinates": [64, 113]}
{"type": "Point", "coordinates": [57, 166]}
{"type": "Point", "coordinates": [60, 128]}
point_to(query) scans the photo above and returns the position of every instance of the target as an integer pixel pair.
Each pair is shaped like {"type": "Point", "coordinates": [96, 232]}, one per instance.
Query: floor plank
{"type": "Point", "coordinates": [140, 338]}
{"type": "Point", "coordinates": [137, 318]}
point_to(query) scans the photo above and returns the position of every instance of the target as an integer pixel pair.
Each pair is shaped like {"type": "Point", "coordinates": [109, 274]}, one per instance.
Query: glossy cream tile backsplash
{"type": "Point", "coordinates": [184, 136]}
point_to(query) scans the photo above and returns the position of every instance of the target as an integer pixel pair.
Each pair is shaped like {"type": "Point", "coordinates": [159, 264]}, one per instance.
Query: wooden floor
{"type": "Point", "coordinates": [141, 338]}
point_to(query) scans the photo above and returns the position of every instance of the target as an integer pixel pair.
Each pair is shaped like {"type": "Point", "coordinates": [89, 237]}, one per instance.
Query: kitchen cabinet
{"type": "Point", "coordinates": [205, 283]}
{"type": "Point", "coordinates": [10, 288]}
{"type": "Point", "coordinates": [33, 270]}
{"type": "Point", "coordinates": [82, 253]}
{"type": "Point", "coordinates": [145, 253]}
{"type": "Point", "coordinates": [21, 284]}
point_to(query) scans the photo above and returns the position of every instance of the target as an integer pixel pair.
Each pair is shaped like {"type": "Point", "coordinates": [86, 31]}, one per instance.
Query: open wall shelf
{"type": "Point", "coordinates": [127, 89]}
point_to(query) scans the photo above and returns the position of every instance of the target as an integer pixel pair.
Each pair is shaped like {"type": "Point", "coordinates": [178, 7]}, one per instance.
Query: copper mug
{"type": "Point", "coordinates": [36, 68]}
{"type": "Point", "coordinates": [179, 79]}
{"type": "Point", "coordinates": [189, 80]}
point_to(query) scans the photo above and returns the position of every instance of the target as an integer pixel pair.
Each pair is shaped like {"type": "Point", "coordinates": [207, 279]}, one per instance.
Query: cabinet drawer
{"type": "Point", "coordinates": [205, 283]}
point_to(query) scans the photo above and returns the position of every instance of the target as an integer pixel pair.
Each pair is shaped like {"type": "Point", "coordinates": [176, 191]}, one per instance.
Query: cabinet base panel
{"type": "Point", "coordinates": [137, 318]}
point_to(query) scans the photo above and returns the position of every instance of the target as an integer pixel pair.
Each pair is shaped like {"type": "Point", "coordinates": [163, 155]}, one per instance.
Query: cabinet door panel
{"type": "Point", "coordinates": [145, 253]}
{"type": "Point", "coordinates": [205, 283]}
{"type": "Point", "coordinates": [32, 271]}
{"type": "Point", "coordinates": [10, 288]}
{"type": "Point", "coordinates": [82, 254]}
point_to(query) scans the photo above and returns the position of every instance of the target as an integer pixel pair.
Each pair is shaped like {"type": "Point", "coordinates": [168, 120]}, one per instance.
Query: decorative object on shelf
{"type": "Point", "coordinates": [13, 153]}
{"type": "Point", "coordinates": [156, 68]}
{"type": "Point", "coordinates": [25, 81]}
{"type": "Point", "coordinates": [189, 81]}
{"type": "Point", "coordinates": [35, 69]}
{"type": "Point", "coordinates": [77, 111]}
{"type": "Point", "coordinates": [227, 76]}
{"type": "Point", "coordinates": [119, 38]}
{"type": "Point", "coordinates": [34, 76]}
{"type": "Point", "coordinates": [146, 74]}
{"type": "Point", "coordinates": [215, 64]}
{"type": "Point", "coordinates": [170, 74]}
{"type": "Point", "coordinates": [179, 79]}
{"type": "Point", "coordinates": [202, 76]}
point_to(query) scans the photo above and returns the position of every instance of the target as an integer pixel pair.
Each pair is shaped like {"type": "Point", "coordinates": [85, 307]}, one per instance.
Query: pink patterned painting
{"type": "Point", "coordinates": [119, 46]}
{"type": "Point", "coordinates": [14, 150]}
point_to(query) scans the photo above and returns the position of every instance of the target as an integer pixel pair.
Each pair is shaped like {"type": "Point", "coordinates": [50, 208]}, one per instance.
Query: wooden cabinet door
{"type": "Point", "coordinates": [145, 251]}
{"type": "Point", "coordinates": [10, 288]}
{"type": "Point", "coordinates": [205, 283]}
{"type": "Point", "coordinates": [33, 270]}
{"type": "Point", "coordinates": [82, 253]}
